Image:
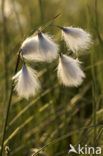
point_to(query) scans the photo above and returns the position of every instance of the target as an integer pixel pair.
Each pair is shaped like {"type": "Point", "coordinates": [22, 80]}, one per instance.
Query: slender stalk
{"type": "Point", "coordinates": [43, 26]}
{"type": "Point", "coordinates": [41, 11]}
{"type": "Point", "coordinates": [8, 106]}
{"type": "Point", "coordinates": [97, 22]}
{"type": "Point", "coordinates": [17, 17]}
{"type": "Point", "coordinates": [5, 43]}
{"type": "Point", "coordinates": [62, 138]}
{"type": "Point", "coordinates": [94, 72]}
{"type": "Point", "coordinates": [94, 97]}
{"type": "Point", "coordinates": [94, 113]}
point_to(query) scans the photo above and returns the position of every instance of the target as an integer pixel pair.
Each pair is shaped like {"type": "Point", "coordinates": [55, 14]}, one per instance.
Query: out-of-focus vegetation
{"type": "Point", "coordinates": [59, 114]}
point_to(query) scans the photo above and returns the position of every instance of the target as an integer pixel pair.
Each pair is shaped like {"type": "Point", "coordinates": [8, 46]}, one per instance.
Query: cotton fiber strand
{"type": "Point", "coordinates": [47, 48]}
{"type": "Point", "coordinates": [76, 39]}
{"type": "Point", "coordinates": [69, 71]}
{"type": "Point", "coordinates": [26, 82]}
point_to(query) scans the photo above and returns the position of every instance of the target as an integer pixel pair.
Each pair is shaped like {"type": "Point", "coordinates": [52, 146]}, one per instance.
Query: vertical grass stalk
{"type": "Point", "coordinates": [8, 107]}
{"type": "Point", "coordinates": [94, 112]}
{"type": "Point", "coordinates": [5, 43]}
{"type": "Point", "coordinates": [17, 18]}
{"type": "Point", "coordinates": [94, 98]}
{"type": "Point", "coordinates": [41, 11]}
{"type": "Point", "coordinates": [97, 23]}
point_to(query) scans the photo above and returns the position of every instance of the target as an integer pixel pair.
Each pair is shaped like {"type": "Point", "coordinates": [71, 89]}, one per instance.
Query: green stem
{"type": "Point", "coordinates": [94, 98]}
{"type": "Point", "coordinates": [97, 22]}
{"type": "Point", "coordinates": [17, 17]}
{"type": "Point", "coordinates": [8, 107]}
{"type": "Point", "coordinates": [41, 11]}
{"type": "Point", "coordinates": [94, 112]}
{"type": "Point", "coordinates": [5, 42]}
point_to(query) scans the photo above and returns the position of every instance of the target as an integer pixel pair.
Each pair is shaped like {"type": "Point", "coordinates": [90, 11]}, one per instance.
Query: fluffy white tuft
{"type": "Point", "coordinates": [39, 48]}
{"type": "Point", "coordinates": [47, 48]}
{"type": "Point", "coordinates": [76, 39]}
{"type": "Point", "coordinates": [26, 81]}
{"type": "Point", "coordinates": [30, 49]}
{"type": "Point", "coordinates": [69, 72]}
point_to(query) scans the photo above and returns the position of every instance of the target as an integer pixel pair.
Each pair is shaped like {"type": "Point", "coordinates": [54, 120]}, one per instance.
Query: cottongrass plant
{"type": "Point", "coordinates": [41, 47]}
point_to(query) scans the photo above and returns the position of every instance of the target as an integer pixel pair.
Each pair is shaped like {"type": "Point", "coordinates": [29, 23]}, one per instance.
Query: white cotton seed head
{"type": "Point", "coordinates": [76, 39]}
{"type": "Point", "coordinates": [29, 49]}
{"type": "Point", "coordinates": [69, 71]}
{"type": "Point", "coordinates": [39, 48]}
{"type": "Point", "coordinates": [26, 82]}
{"type": "Point", "coordinates": [47, 48]}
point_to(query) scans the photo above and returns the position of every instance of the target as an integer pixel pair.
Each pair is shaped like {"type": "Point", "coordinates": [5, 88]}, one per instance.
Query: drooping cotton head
{"type": "Point", "coordinates": [76, 39]}
{"type": "Point", "coordinates": [47, 48]}
{"type": "Point", "coordinates": [29, 49]}
{"type": "Point", "coordinates": [69, 71]}
{"type": "Point", "coordinates": [26, 82]}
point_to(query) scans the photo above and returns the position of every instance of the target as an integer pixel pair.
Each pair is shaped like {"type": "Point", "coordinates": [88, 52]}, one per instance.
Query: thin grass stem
{"type": "Point", "coordinates": [41, 11]}
{"type": "Point", "coordinates": [97, 22]}
{"type": "Point", "coordinates": [8, 106]}
{"type": "Point", "coordinates": [17, 17]}
{"type": "Point", "coordinates": [5, 43]}
{"type": "Point", "coordinates": [58, 139]}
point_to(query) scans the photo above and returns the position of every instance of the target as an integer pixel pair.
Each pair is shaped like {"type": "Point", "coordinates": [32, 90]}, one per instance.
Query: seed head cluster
{"type": "Point", "coordinates": [42, 47]}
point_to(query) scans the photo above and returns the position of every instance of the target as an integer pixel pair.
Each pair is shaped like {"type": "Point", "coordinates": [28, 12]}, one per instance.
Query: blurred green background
{"type": "Point", "coordinates": [59, 115]}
